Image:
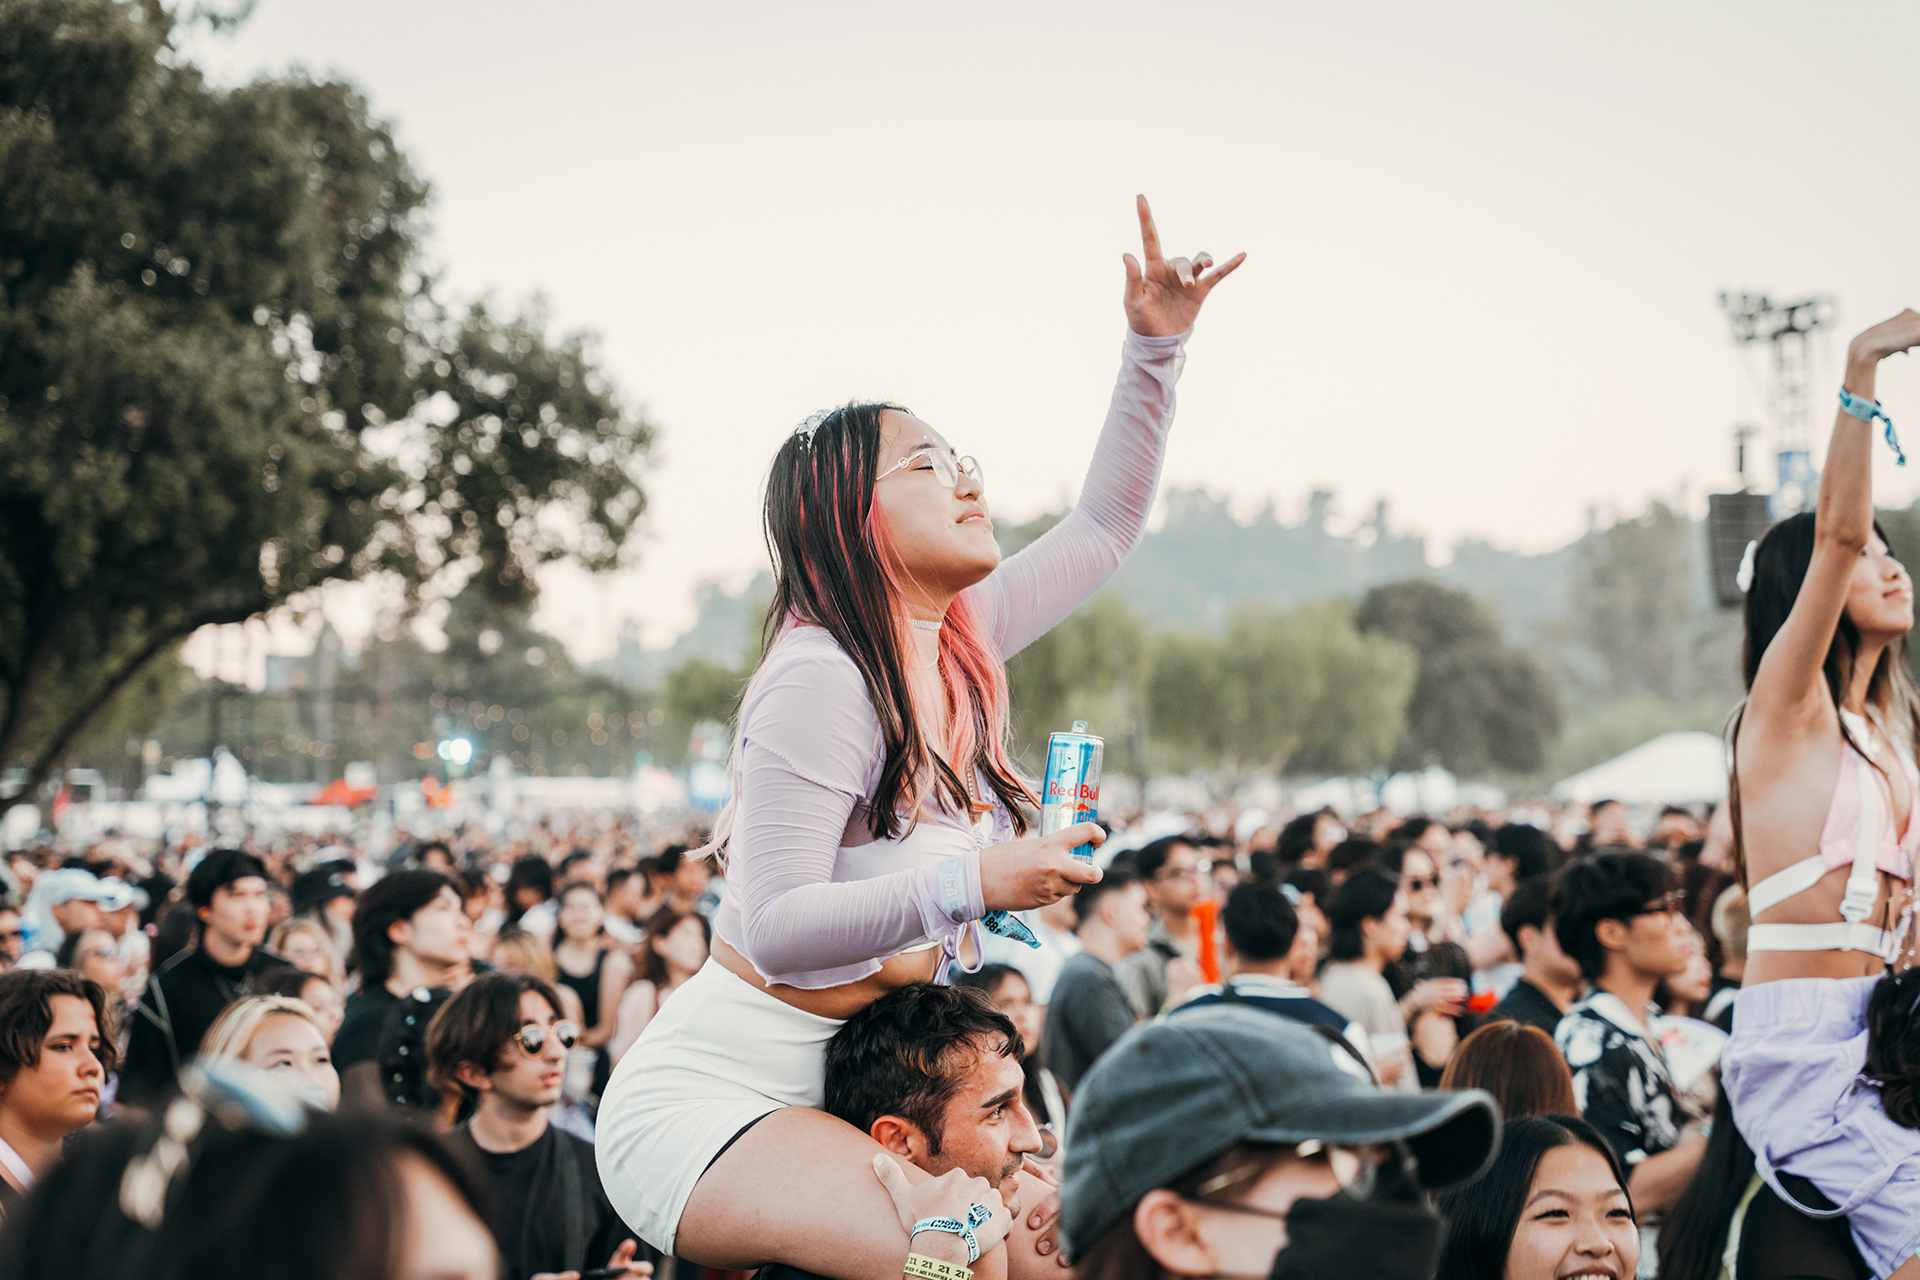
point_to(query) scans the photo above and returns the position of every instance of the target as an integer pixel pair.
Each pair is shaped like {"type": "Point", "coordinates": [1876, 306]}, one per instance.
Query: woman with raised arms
{"type": "Point", "coordinates": [1822, 1070]}
{"type": "Point", "coordinates": [876, 819]}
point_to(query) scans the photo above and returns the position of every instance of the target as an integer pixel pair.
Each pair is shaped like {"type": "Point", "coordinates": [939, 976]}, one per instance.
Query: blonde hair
{"type": "Point", "coordinates": [314, 929]}
{"type": "Point", "coordinates": [1730, 921]}
{"type": "Point", "coordinates": [236, 1026]}
{"type": "Point", "coordinates": [526, 952]}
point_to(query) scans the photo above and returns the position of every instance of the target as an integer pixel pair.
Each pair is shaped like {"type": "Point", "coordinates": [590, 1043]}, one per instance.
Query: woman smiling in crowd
{"type": "Point", "coordinates": [1554, 1206]}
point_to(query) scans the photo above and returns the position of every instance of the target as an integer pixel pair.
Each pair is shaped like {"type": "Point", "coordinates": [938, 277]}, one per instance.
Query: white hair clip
{"type": "Point", "coordinates": [812, 424]}
{"type": "Point", "coordinates": [1743, 578]}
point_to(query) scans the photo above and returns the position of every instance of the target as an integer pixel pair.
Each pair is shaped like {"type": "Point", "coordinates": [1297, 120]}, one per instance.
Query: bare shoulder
{"type": "Point", "coordinates": [1774, 745]}
{"type": "Point", "coordinates": [1024, 1259]}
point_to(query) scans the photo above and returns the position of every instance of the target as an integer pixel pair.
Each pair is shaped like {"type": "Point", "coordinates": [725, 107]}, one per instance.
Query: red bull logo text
{"type": "Point", "coordinates": [1072, 784]}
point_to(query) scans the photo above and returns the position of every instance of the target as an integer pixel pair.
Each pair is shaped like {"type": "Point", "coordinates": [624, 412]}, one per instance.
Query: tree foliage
{"type": "Point", "coordinates": [225, 381]}
{"type": "Point", "coordinates": [1639, 601]}
{"type": "Point", "coordinates": [1091, 667]}
{"type": "Point", "coordinates": [699, 690]}
{"type": "Point", "coordinates": [1477, 704]}
{"type": "Point", "coordinates": [1299, 688]}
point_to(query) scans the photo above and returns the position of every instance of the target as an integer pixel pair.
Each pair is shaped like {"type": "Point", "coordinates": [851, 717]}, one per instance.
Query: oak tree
{"type": "Point", "coordinates": [225, 379]}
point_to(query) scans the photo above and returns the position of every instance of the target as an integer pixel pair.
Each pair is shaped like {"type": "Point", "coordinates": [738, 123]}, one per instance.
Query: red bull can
{"type": "Point", "coordinates": [1072, 783]}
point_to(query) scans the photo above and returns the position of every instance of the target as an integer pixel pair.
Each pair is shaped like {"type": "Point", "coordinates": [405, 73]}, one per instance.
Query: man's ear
{"type": "Point", "coordinates": [470, 1075]}
{"type": "Point", "coordinates": [1611, 934]}
{"type": "Point", "coordinates": [400, 932]}
{"type": "Point", "coordinates": [902, 1137]}
{"type": "Point", "coordinates": [1168, 1228]}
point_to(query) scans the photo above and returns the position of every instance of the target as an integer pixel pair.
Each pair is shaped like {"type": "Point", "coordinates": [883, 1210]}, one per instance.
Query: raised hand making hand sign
{"type": "Point", "coordinates": [1164, 296]}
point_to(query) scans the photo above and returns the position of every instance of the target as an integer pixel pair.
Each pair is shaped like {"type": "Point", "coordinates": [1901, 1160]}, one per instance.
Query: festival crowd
{"type": "Point", "coordinates": [878, 1025]}
{"type": "Point", "coordinates": [462, 1003]}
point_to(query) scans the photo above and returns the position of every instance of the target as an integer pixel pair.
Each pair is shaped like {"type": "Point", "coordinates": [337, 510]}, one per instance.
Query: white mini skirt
{"type": "Point", "coordinates": [720, 1054]}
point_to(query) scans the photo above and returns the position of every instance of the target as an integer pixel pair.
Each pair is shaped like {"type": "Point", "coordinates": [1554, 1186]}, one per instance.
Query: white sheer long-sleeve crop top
{"type": "Point", "coordinates": [812, 899]}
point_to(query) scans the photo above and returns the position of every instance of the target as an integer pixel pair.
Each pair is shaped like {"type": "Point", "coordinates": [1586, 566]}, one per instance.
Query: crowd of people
{"type": "Point", "coordinates": [873, 1025]}
{"type": "Point", "coordinates": [488, 991]}
{"type": "Point", "coordinates": [483, 992]}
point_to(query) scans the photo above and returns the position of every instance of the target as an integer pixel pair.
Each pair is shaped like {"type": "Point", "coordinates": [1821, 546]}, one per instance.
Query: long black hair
{"type": "Point", "coordinates": [1893, 1045]}
{"type": "Point", "coordinates": [328, 1204]}
{"type": "Point", "coordinates": [832, 570]}
{"type": "Point", "coordinates": [1693, 1234]}
{"type": "Point", "coordinates": [1780, 563]}
{"type": "Point", "coordinates": [1481, 1218]}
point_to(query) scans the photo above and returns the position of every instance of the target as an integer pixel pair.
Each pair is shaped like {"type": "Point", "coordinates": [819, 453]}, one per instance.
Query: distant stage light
{"type": "Point", "coordinates": [456, 750]}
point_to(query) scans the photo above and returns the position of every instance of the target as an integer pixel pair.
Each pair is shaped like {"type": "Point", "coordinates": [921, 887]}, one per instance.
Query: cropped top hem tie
{"type": "Point", "coordinates": [814, 900]}
{"type": "Point", "coordinates": [1860, 833]}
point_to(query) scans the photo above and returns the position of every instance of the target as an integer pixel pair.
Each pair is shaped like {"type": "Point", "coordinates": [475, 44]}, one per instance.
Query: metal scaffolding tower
{"type": "Point", "coordinates": [1787, 328]}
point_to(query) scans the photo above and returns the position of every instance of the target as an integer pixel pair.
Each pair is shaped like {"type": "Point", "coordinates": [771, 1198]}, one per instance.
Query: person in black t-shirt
{"type": "Point", "coordinates": [228, 892]}
{"type": "Point", "coordinates": [1550, 981]}
{"type": "Point", "coordinates": [502, 1046]}
{"type": "Point", "coordinates": [409, 936]}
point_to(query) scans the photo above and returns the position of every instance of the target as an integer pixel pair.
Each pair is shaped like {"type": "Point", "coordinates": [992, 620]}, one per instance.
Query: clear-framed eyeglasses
{"type": "Point", "coordinates": [947, 468]}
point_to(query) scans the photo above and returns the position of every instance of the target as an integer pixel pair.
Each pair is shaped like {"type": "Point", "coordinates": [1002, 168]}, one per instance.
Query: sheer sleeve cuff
{"type": "Point", "coordinates": [1157, 346]}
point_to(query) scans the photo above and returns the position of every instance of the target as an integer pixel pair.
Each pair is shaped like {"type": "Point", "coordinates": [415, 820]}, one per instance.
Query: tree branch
{"type": "Point", "coordinates": [24, 701]}
{"type": "Point", "coordinates": [82, 720]}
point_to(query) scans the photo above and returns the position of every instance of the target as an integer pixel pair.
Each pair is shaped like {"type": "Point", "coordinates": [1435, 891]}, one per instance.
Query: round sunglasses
{"type": "Point", "coordinates": [532, 1038]}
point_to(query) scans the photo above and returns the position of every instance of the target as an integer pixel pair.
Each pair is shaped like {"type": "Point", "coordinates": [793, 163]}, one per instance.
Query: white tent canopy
{"type": "Point", "coordinates": [1674, 768]}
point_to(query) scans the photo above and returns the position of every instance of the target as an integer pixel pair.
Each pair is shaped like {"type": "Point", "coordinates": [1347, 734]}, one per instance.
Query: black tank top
{"type": "Point", "coordinates": [588, 989]}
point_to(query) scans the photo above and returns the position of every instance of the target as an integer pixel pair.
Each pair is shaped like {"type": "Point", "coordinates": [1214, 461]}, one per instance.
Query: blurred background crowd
{"type": "Point", "coordinates": [1584, 966]}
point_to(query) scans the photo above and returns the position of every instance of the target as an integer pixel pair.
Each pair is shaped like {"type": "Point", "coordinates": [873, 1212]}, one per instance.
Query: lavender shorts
{"type": "Point", "coordinates": [1792, 1075]}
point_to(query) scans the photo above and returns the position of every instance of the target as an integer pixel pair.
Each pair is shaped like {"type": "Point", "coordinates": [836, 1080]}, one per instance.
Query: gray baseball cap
{"type": "Point", "coordinates": [1176, 1092]}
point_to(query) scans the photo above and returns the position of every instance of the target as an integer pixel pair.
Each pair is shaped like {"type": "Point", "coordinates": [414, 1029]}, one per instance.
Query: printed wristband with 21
{"type": "Point", "coordinates": [925, 1268]}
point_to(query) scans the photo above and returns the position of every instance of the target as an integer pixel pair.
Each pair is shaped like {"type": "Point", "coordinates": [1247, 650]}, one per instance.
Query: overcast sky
{"type": "Point", "coordinates": [1485, 240]}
